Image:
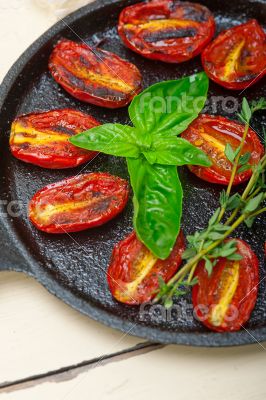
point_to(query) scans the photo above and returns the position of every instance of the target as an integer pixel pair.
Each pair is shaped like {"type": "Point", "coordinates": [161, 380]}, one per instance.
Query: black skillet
{"type": "Point", "coordinates": [73, 268]}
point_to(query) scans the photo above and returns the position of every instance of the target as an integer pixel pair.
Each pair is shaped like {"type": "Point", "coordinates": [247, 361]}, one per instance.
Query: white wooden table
{"type": "Point", "coordinates": [48, 350]}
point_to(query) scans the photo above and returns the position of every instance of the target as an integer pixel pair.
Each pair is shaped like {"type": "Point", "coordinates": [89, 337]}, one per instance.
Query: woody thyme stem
{"type": "Point", "coordinates": [190, 266]}
{"type": "Point", "coordinates": [247, 190]}
{"type": "Point", "coordinates": [186, 268]}
{"type": "Point", "coordinates": [234, 169]}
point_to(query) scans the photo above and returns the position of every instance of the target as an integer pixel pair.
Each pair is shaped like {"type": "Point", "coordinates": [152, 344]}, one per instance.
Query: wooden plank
{"type": "Point", "coordinates": [174, 372]}
{"type": "Point", "coordinates": [39, 333]}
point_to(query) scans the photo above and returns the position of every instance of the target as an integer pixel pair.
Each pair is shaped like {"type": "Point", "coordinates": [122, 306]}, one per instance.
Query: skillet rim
{"type": "Point", "coordinates": [27, 264]}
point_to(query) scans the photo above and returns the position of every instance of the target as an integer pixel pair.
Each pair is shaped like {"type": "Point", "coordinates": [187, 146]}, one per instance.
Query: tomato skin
{"type": "Point", "coordinates": [141, 30]}
{"type": "Point", "coordinates": [42, 138]}
{"type": "Point", "coordinates": [125, 269]}
{"type": "Point", "coordinates": [236, 59]}
{"type": "Point", "coordinates": [209, 290]}
{"type": "Point", "coordinates": [93, 75]}
{"type": "Point", "coordinates": [222, 131]}
{"type": "Point", "coordinates": [78, 203]}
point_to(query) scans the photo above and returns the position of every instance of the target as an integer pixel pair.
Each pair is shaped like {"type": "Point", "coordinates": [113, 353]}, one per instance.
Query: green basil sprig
{"type": "Point", "coordinates": [157, 202]}
{"type": "Point", "coordinates": [153, 151]}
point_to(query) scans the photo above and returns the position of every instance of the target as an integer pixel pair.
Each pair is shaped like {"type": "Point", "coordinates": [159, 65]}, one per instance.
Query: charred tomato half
{"type": "Point", "coordinates": [224, 300]}
{"type": "Point", "coordinates": [43, 138]}
{"type": "Point", "coordinates": [166, 30]}
{"type": "Point", "coordinates": [78, 203]}
{"type": "Point", "coordinates": [133, 274]}
{"type": "Point", "coordinates": [93, 75]}
{"type": "Point", "coordinates": [211, 134]}
{"type": "Point", "coordinates": [236, 59]}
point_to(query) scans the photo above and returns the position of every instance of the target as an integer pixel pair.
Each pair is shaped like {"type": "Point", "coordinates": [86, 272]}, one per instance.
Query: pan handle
{"type": "Point", "coordinates": [11, 258]}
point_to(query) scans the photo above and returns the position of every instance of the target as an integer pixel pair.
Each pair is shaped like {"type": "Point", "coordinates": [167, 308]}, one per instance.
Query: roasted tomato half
{"type": "Point", "coordinates": [78, 203]}
{"type": "Point", "coordinates": [237, 57]}
{"type": "Point", "coordinates": [42, 138]}
{"type": "Point", "coordinates": [166, 30]}
{"type": "Point", "coordinates": [134, 271]}
{"type": "Point", "coordinates": [93, 75]}
{"type": "Point", "coordinates": [211, 134]}
{"type": "Point", "coordinates": [224, 300]}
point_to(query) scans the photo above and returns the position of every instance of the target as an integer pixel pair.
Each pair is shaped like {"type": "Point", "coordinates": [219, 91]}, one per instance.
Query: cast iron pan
{"type": "Point", "coordinates": [73, 268]}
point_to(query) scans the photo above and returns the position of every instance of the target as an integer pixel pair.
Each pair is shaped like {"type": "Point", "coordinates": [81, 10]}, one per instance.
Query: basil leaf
{"type": "Point", "coordinates": [157, 204]}
{"type": "Point", "coordinates": [114, 139]}
{"type": "Point", "coordinates": [169, 107]}
{"type": "Point", "coordinates": [176, 151]}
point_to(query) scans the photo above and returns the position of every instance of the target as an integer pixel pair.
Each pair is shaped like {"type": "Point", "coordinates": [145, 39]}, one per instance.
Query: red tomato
{"type": "Point", "coordinates": [211, 134]}
{"type": "Point", "coordinates": [78, 203]}
{"type": "Point", "coordinates": [225, 300]}
{"type": "Point", "coordinates": [237, 57]}
{"type": "Point", "coordinates": [93, 75]}
{"type": "Point", "coordinates": [134, 271]}
{"type": "Point", "coordinates": [42, 138]}
{"type": "Point", "coordinates": [166, 30]}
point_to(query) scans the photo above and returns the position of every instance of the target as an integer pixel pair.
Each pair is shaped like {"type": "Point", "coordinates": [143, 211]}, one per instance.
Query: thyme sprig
{"type": "Point", "coordinates": [210, 244]}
